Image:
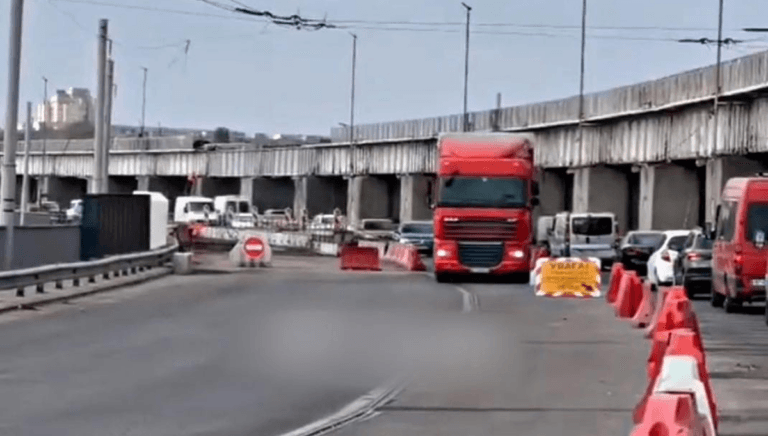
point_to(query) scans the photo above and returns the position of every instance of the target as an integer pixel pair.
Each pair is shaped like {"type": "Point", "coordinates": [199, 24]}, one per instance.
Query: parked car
{"type": "Point", "coordinates": [637, 247]}
{"type": "Point", "coordinates": [275, 218]}
{"type": "Point", "coordinates": [693, 267]}
{"type": "Point", "coordinates": [418, 233]}
{"type": "Point", "coordinates": [661, 271]}
{"type": "Point", "coordinates": [739, 251]}
{"type": "Point", "coordinates": [373, 229]}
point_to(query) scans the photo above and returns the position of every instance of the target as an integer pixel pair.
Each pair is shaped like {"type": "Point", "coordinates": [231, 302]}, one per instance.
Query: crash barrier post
{"type": "Point", "coordinates": [645, 311]}
{"type": "Point", "coordinates": [360, 258]}
{"type": "Point", "coordinates": [617, 271]}
{"type": "Point", "coordinates": [671, 414]}
{"type": "Point", "coordinates": [406, 256]}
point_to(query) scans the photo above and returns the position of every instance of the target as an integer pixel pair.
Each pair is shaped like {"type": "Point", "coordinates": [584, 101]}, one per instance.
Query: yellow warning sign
{"type": "Point", "coordinates": [569, 277]}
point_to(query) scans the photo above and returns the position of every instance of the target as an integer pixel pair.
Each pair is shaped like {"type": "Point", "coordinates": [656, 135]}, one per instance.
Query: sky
{"type": "Point", "coordinates": [248, 75]}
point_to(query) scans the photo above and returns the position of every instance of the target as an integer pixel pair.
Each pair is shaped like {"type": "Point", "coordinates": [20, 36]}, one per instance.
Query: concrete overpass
{"type": "Point", "coordinates": [648, 154]}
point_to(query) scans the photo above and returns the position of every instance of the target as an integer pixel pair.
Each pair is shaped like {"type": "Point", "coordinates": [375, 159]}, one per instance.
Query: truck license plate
{"type": "Point", "coordinates": [480, 270]}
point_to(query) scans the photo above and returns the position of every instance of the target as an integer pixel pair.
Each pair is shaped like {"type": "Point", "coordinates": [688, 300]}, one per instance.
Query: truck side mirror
{"type": "Point", "coordinates": [535, 189]}
{"type": "Point", "coordinates": [535, 201]}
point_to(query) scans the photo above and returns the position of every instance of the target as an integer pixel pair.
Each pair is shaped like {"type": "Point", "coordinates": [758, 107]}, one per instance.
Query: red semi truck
{"type": "Point", "coordinates": [483, 205]}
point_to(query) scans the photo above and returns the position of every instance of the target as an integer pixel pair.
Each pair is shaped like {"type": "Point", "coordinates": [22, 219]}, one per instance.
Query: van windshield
{"type": "Point", "coordinates": [757, 221]}
{"type": "Point", "coordinates": [592, 226]}
{"type": "Point", "coordinates": [200, 207]}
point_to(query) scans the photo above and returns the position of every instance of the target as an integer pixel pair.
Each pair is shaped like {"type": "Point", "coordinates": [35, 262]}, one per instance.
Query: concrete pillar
{"type": "Point", "coordinates": [142, 183]}
{"type": "Point", "coordinates": [647, 183]}
{"type": "Point", "coordinates": [414, 204]}
{"type": "Point", "coordinates": [354, 193]}
{"type": "Point", "coordinates": [246, 188]}
{"type": "Point", "coordinates": [719, 170]}
{"type": "Point", "coordinates": [581, 189]}
{"type": "Point", "coordinates": [299, 196]}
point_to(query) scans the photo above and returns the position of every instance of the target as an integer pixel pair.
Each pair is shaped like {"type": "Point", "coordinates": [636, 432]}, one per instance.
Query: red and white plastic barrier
{"type": "Point", "coordinates": [406, 256]}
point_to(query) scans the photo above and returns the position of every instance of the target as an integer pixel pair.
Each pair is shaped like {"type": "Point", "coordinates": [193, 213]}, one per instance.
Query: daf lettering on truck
{"type": "Point", "coordinates": [483, 211]}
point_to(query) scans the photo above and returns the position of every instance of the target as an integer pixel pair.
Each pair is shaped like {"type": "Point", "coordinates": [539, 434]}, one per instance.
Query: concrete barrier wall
{"type": "Point", "coordinates": [42, 245]}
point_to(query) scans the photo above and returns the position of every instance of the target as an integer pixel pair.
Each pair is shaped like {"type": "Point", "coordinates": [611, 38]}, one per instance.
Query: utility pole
{"type": "Point", "coordinates": [8, 182]}
{"type": "Point", "coordinates": [107, 124]}
{"type": "Point", "coordinates": [581, 76]}
{"type": "Point", "coordinates": [352, 102]}
{"type": "Point", "coordinates": [25, 179]}
{"type": "Point", "coordinates": [98, 182]}
{"type": "Point", "coordinates": [143, 102]}
{"type": "Point", "coordinates": [718, 87]}
{"type": "Point", "coordinates": [497, 115]}
{"type": "Point", "coordinates": [465, 124]}
{"type": "Point", "coordinates": [43, 188]}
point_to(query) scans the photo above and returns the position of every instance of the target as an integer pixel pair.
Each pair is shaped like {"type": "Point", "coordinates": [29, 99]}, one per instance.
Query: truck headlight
{"type": "Point", "coordinates": [442, 253]}
{"type": "Point", "coordinates": [517, 254]}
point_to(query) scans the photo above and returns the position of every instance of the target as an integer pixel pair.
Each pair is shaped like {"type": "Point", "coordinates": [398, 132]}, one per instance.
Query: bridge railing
{"type": "Point", "coordinates": [76, 271]}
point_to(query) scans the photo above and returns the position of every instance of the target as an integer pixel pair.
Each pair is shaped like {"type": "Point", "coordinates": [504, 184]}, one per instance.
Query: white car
{"type": "Point", "coordinates": [661, 271]}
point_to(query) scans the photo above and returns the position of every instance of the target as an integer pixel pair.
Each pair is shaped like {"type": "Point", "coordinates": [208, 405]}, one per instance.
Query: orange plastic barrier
{"type": "Point", "coordinates": [360, 258]}
{"type": "Point", "coordinates": [671, 415]}
{"type": "Point", "coordinates": [406, 256]}
{"type": "Point", "coordinates": [617, 271]}
{"type": "Point", "coordinates": [630, 295]}
{"type": "Point", "coordinates": [645, 311]}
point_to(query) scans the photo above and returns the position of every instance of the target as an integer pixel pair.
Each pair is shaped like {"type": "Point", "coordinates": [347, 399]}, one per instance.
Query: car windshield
{"type": "Point", "coordinates": [703, 243]}
{"type": "Point", "coordinates": [757, 222]}
{"type": "Point", "coordinates": [482, 192]}
{"type": "Point", "coordinates": [425, 228]}
{"type": "Point", "coordinates": [592, 226]}
{"type": "Point", "coordinates": [646, 239]}
{"type": "Point", "coordinates": [677, 243]}
{"type": "Point", "coordinates": [200, 206]}
{"type": "Point", "coordinates": [377, 225]}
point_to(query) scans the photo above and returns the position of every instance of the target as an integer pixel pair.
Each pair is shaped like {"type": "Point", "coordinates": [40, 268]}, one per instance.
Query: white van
{"type": "Point", "coordinates": [585, 235]}
{"type": "Point", "coordinates": [544, 230]}
{"type": "Point", "coordinates": [235, 211]}
{"type": "Point", "coordinates": [195, 210]}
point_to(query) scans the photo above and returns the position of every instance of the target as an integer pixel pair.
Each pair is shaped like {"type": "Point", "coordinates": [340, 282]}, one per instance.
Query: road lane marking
{"type": "Point", "coordinates": [469, 300]}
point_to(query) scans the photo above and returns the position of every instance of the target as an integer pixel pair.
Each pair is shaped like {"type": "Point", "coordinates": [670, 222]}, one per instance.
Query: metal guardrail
{"type": "Point", "coordinates": [118, 265]}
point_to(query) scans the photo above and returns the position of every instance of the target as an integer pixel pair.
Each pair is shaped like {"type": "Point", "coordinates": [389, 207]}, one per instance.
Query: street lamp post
{"type": "Point", "coordinates": [43, 188]}
{"type": "Point", "coordinates": [352, 98]}
{"type": "Point", "coordinates": [465, 123]}
{"type": "Point", "coordinates": [581, 74]}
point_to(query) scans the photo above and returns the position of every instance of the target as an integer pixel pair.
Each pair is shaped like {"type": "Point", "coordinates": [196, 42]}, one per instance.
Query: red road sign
{"type": "Point", "coordinates": [253, 248]}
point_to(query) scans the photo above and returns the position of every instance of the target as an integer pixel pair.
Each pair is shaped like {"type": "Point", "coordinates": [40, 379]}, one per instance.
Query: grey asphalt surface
{"type": "Point", "coordinates": [532, 366]}
{"type": "Point", "coordinates": [257, 353]}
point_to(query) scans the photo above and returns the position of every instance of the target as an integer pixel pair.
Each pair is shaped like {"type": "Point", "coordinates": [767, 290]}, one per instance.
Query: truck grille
{"type": "Point", "coordinates": [481, 255]}
{"type": "Point", "coordinates": [480, 230]}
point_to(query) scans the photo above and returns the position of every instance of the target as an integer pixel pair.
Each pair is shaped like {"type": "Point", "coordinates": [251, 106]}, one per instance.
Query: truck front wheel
{"type": "Point", "coordinates": [442, 277]}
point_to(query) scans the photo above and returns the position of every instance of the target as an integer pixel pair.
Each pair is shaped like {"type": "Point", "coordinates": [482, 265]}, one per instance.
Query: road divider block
{"type": "Point", "coordinates": [617, 271]}
{"type": "Point", "coordinates": [359, 258]}
{"type": "Point", "coordinates": [671, 414]}
{"type": "Point", "coordinates": [381, 246]}
{"type": "Point", "coordinates": [645, 311]}
{"type": "Point", "coordinates": [569, 277]}
{"type": "Point", "coordinates": [630, 295]}
{"type": "Point", "coordinates": [406, 256]}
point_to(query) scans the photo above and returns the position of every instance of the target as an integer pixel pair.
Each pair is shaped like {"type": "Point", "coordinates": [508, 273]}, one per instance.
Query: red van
{"type": "Point", "coordinates": [740, 251]}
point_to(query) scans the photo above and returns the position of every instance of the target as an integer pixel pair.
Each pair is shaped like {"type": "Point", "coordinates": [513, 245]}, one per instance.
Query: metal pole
{"type": "Point", "coordinates": [43, 188]}
{"type": "Point", "coordinates": [143, 102]}
{"type": "Point", "coordinates": [465, 124]}
{"type": "Point", "coordinates": [497, 116]}
{"type": "Point", "coordinates": [718, 89]}
{"type": "Point", "coordinates": [352, 103]}
{"type": "Point", "coordinates": [25, 179]}
{"type": "Point", "coordinates": [97, 185]}
{"type": "Point", "coordinates": [8, 182]}
{"type": "Point", "coordinates": [107, 124]}
{"type": "Point", "coordinates": [581, 76]}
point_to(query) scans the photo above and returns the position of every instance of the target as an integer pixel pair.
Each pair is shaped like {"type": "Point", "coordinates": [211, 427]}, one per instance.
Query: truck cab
{"type": "Point", "coordinates": [483, 209]}
{"type": "Point", "coordinates": [234, 211]}
{"type": "Point", "coordinates": [195, 210]}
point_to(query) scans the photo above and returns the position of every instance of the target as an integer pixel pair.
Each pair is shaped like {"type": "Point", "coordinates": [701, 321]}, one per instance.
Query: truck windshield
{"type": "Point", "coordinates": [592, 226]}
{"type": "Point", "coordinates": [200, 207]}
{"type": "Point", "coordinates": [757, 221]}
{"type": "Point", "coordinates": [482, 192]}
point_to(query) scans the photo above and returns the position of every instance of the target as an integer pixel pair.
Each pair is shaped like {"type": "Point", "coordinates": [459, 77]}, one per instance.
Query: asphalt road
{"type": "Point", "coordinates": [265, 352]}
{"type": "Point", "coordinates": [246, 354]}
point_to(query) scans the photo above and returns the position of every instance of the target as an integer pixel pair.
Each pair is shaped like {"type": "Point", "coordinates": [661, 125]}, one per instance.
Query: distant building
{"type": "Point", "coordinates": [65, 109]}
